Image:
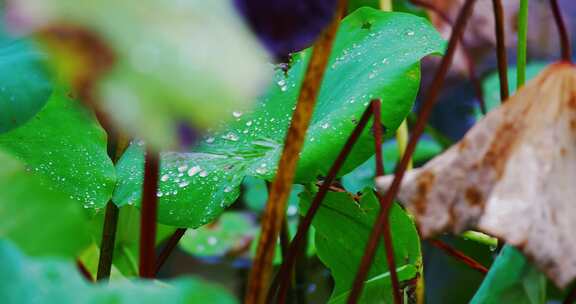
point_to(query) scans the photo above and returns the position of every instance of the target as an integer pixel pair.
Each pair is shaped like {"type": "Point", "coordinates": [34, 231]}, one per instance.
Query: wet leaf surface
{"type": "Point", "coordinates": [64, 144]}
{"type": "Point", "coordinates": [195, 187]}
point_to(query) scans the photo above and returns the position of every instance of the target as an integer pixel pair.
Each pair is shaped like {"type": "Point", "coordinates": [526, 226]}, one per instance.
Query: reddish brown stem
{"type": "Point", "coordinates": [501, 48]}
{"type": "Point", "coordinates": [562, 31]}
{"type": "Point", "coordinates": [169, 248]}
{"type": "Point", "coordinates": [465, 51]}
{"type": "Point", "coordinates": [275, 209]}
{"type": "Point", "coordinates": [389, 248]}
{"type": "Point", "coordinates": [429, 101]}
{"type": "Point", "coordinates": [460, 256]}
{"type": "Point", "coordinates": [284, 274]}
{"type": "Point", "coordinates": [148, 215]}
{"type": "Point", "coordinates": [84, 271]}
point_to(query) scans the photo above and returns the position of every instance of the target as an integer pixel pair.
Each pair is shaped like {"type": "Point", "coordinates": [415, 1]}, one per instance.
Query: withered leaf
{"type": "Point", "coordinates": [513, 175]}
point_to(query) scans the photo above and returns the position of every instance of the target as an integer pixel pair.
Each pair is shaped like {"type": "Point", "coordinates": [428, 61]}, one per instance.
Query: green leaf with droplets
{"type": "Point", "coordinates": [65, 144]}
{"type": "Point", "coordinates": [26, 280]}
{"type": "Point", "coordinates": [24, 83]}
{"type": "Point", "coordinates": [38, 219]}
{"type": "Point", "coordinates": [374, 56]}
{"type": "Point", "coordinates": [342, 230]}
{"type": "Point", "coordinates": [512, 279]}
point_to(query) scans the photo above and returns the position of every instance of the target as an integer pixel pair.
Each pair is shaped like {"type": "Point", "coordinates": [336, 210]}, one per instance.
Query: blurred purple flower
{"type": "Point", "coordinates": [286, 26]}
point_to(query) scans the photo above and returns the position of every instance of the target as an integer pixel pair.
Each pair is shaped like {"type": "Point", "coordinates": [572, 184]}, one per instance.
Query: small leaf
{"type": "Point", "coordinates": [25, 280]}
{"type": "Point", "coordinates": [373, 56]}
{"type": "Point", "coordinates": [24, 83]}
{"type": "Point", "coordinates": [342, 230]}
{"type": "Point", "coordinates": [512, 279]}
{"type": "Point", "coordinates": [231, 234]}
{"type": "Point", "coordinates": [38, 219]}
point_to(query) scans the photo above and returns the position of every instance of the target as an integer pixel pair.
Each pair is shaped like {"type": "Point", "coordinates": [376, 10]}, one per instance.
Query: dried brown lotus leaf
{"type": "Point", "coordinates": [513, 176]}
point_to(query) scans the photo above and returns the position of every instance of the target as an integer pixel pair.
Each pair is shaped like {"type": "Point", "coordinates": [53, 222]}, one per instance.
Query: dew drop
{"type": "Point", "coordinates": [325, 126]}
{"type": "Point", "coordinates": [292, 210]}
{"type": "Point", "coordinates": [210, 140]}
{"type": "Point", "coordinates": [194, 170]}
{"type": "Point", "coordinates": [164, 177]}
{"type": "Point", "coordinates": [261, 170]}
{"type": "Point", "coordinates": [237, 114]}
{"type": "Point", "coordinates": [230, 136]}
{"type": "Point", "coordinates": [212, 240]}
{"type": "Point", "coordinates": [183, 184]}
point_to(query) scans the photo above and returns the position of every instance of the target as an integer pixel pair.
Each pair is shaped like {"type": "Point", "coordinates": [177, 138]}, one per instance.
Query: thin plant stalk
{"type": "Point", "coordinates": [564, 36]}
{"type": "Point", "coordinates": [84, 271]}
{"type": "Point", "coordinates": [402, 136]}
{"type": "Point", "coordinates": [460, 256]}
{"type": "Point", "coordinates": [429, 101]}
{"type": "Point", "coordinates": [386, 5]}
{"type": "Point", "coordinates": [401, 140]}
{"type": "Point", "coordinates": [280, 187]}
{"type": "Point", "coordinates": [108, 241]}
{"type": "Point", "coordinates": [501, 48]}
{"type": "Point", "coordinates": [284, 238]}
{"type": "Point", "coordinates": [169, 248]}
{"type": "Point", "coordinates": [465, 51]}
{"type": "Point", "coordinates": [148, 215]}
{"type": "Point", "coordinates": [304, 225]}
{"type": "Point", "coordinates": [117, 144]}
{"type": "Point", "coordinates": [300, 276]}
{"type": "Point", "coordinates": [522, 50]}
{"type": "Point", "coordinates": [388, 245]}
